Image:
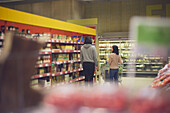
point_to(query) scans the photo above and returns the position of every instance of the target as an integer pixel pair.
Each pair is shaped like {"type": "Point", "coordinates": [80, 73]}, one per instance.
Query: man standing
{"type": "Point", "coordinates": [88, 57]}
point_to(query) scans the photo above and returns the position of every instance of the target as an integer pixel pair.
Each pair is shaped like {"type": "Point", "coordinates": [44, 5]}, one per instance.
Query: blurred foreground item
{"type": "Point", "coordinates": [17, 63]}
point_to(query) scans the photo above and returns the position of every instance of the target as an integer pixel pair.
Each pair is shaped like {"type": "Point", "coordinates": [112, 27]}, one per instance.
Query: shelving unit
{"type": "Point", "coordinates": [142, 65]}
{"type": "Point", "coordinates": [59, 60]}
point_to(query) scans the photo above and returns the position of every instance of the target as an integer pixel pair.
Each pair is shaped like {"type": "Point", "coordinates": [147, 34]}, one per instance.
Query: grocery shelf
{"type": "Point", "coordinates": [54, 74]}
{"type": "Point", "coordinates": [45, 52]}
{"type": "Point", "coordinates": [132, 63]}
{"type": "Point", "coordinates": [104, 48]}
{"type": "Point", "coordinates": [65, 72]}
{"type": "Point", "coordinates": [103, 54]}
{"type": "Point", "coordinates": [56, 34]}
{"type": "Point", "coordinates": [65, 51]}
{"type": "Point", "coordinates": [43, 65]}
{"type": "Point", "coordinates": [68, 61]}
{"type": "Point", "coordinates": [155, 63]}
{"type": "Point", "coordinates": [36, 20]}
{"type": "Point", "coordinates": [110, 41]}
{"type": "Point", "coordinates": [77, 79]}
{"type": "Point", "coordinates": [64, 42]}
{"type": "Point", "coordinates": [40, 75]}
{"type": "Point", "coordinates": [70, 81]}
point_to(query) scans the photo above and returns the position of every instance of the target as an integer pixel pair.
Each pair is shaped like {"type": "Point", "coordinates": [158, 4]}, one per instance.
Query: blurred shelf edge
{"type": "Point", "coordinates": [54, 74]}
{"type": "Point", "coordinates": [58, 51]}
{"type": "Point", "coordinates": [64, 42]}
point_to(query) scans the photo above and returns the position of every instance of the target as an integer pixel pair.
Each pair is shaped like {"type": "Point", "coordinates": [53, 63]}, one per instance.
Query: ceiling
{"type": "Point", "coordinates": [13, 2]}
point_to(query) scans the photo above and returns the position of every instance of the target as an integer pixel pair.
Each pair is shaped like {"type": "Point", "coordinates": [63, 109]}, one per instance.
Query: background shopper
{"type": "Point", "coordinates": [88, 57]}
{"type": "Point", "coordinates": [114, 60]}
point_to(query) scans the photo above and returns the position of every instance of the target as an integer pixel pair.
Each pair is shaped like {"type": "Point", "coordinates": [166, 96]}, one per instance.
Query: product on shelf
{"type": "Point", "coordinates": [139, 63]}
{"type": "Point", "coordinates": [58, 55]}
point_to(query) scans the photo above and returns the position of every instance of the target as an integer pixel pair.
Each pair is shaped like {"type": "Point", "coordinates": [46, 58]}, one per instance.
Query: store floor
{"type": "Point", "coordinates": [134, 83]}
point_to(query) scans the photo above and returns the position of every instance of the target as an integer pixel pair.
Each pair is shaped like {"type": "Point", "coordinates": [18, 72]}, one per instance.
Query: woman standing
{"type": "Point", "coordinates": [114, 60]}
{"type": "Point", "coordinates": [88, 57]}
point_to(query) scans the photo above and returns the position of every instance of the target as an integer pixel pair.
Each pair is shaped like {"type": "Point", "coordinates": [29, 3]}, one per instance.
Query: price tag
{"type": "Point", "coordinates": [0, 43]}
{"type": "Point", "coordinates": [46, 64]}
{"type": "Point", "coordinates": [46, 52]}
{"type": "Point", "coordinates": [67, 41]}
{"type": "Point", "coordinates": [40, 76]}
{"type": "Point", "coordinates": [48, 74]}
{"type": "Point", "coordinates": [53, 40]}
{"type": "Point", "coordinates": [40, 65]}
{"type": "Point", "coordinates": [61, 73]}
{"type": "Point", "coordinates": [64, 61]}
{"type": "Point", "coordinates": [53, 74]}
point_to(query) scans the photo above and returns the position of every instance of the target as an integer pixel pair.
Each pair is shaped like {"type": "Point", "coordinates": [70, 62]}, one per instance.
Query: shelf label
{"type": "Point", "coordinates": [46, 64]}
{"type": "Point", "coordinates": [61, 73]}
{"type": "Point", "coordinates": [53, 74]}
{"type": "Point", "coordinates": [48, 74]}
{"type": "Point", "coordinates": [40, 76]}
{"type": "Point", "coordinates": [40, 65]}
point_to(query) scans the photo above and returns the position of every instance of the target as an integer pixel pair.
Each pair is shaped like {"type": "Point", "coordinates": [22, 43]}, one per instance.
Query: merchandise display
{"type": "Point", "coordinates": [59, 59]}
{"type": "Point", "coordinates": [41, 71]}
{"type": "Point", "coordinates": [144, 64]}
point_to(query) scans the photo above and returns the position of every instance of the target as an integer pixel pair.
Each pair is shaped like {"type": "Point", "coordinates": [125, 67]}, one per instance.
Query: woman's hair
{"type": "Point", "coordinates": [115, 49]}
{"type": "Point", "coordinates": [88, 40]}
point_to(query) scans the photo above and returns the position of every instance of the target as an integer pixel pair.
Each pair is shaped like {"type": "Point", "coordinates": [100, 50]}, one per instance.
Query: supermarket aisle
{"type": "Point", "coordinates": [134, 83]}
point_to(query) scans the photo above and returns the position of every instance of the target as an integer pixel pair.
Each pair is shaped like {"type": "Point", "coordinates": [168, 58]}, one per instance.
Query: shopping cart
{"type": "Point", "coordinates": [105, 72]}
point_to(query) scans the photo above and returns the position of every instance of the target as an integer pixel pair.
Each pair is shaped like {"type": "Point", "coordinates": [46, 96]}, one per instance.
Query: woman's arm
{"type": "Point", "coordinates": [120, 60]}
{"type": "Point", "coordinates": [110, 60]}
